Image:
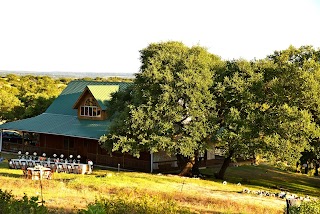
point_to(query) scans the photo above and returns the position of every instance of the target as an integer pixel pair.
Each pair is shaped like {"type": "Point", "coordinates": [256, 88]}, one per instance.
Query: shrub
{"type": "Point", "coordinates": [306, 207]}
{"type": "Point", "coordinates": [311, 172]}
{"type": "Point", "coordinates": [10, 205]}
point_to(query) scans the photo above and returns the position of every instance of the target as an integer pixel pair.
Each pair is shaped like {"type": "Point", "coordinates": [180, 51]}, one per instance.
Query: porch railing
{"type": "Point", "coordinates": [104, 160]}
{"type": "Point", "coordinates": [15, 148]}
{"type": "Point", "coordinates": [123, 161]}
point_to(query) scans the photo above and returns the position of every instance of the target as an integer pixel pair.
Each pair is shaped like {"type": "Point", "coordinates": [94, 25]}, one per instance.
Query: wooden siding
{"type": "Point", "coordinates": [86, 148]}
{"type": "Point", "coordinates": [90, 149]}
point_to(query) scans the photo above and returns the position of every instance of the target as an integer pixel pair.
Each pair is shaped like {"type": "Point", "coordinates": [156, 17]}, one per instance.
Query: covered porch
{"type": "Point", "coordinates": [87, 149]}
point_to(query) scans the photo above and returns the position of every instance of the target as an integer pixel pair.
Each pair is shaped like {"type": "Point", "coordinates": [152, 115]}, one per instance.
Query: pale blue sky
{"type": "Point", "coordinates": [106, 36]}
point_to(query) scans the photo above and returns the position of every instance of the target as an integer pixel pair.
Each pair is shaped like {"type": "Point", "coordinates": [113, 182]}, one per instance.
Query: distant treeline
{"type": "Point", "coordinates": [69, 74]}
{"type": "Point", "coordinates": [25, 96]}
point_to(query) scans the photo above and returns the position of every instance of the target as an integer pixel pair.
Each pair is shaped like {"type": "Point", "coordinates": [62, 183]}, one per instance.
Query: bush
{"type": "Point", "coordinates": [306, 207]}
{"type": "Point", "coordinates": [10, 205]}
{"type": "Point", "coordinates": [127, 204]}
{"type": "Point", "coordinates": [311, 172]}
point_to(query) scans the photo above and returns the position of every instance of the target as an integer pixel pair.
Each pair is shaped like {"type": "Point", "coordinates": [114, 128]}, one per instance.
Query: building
{"type": "Point", "coordinates": [73, 124]}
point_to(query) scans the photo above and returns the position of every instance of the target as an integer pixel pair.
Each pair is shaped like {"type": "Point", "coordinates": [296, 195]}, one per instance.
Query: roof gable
{"type": "Point", "coordinates": [101, 93]}
{"type": "Point", "coordinates": [64, 103]}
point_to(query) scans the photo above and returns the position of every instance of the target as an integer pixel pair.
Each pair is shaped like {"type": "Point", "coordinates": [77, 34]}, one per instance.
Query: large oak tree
{"type": "Point", "coordinates": [170, 107]}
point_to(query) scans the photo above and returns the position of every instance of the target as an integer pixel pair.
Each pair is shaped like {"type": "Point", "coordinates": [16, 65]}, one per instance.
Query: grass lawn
{"type": "Point", "coordinates": [267, 177]}
{"type": "Point", "coordinates": [67, 193]}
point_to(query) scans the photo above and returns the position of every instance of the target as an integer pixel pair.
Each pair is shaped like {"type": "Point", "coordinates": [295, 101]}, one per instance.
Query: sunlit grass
{"type": "Point", "coordinates": [67, 193]}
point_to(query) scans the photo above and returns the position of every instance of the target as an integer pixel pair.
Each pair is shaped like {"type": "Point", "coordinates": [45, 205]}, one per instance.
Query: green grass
{"type": "Point", "coordinates": [269, 177]}
{"type": "Point", "coordinates": [68, 193]}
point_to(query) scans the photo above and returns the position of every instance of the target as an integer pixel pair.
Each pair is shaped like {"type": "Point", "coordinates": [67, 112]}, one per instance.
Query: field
{"type": "Point", "coordinates": [69, 193]}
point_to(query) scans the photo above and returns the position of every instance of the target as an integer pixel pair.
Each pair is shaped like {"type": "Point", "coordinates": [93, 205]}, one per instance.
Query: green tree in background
{"type": "Point", "coordinates": [269, 107]}
{"type": "Point", "coordinates": [9, 101]}
{"type": "Point", "coordinates": [27, 96]}
{"type": "Point", "coordinates": [292, 89]}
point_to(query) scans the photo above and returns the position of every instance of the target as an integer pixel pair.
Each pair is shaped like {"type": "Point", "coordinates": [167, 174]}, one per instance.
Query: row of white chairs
{"type": "Point", "coordinates": [55, 167]}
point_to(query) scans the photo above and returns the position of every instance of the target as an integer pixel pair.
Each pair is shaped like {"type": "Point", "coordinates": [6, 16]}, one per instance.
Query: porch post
{"type": "Point", "coordinates": [151, 162]}
{"type": "Point", "coordinates": [22, 138]}
{"type": "Point", "coordinates": [97, 151]}
{"type": "Point", "coordinates": [0, 140]}
{"type": "Point", "coordinates": [214, 151]}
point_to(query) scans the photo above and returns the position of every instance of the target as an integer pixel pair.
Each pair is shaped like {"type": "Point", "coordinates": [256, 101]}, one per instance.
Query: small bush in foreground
{"type": "Point", "coordinates": [10, 205]}
{"type": "Point", "coordinates": [127, 204]}
{"type": "Point", "coordinates": [307, 207]}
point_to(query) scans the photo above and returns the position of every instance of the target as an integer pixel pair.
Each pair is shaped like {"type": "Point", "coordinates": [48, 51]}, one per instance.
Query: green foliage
{"type": "Point", "coordinates": [237, 90]}
{"type": "Point", "coordinates": [291, 90]}
{"type": "Point", "coordinates": [10, 205]}
{"type": "Point", "coordinates": [128, 204]}
{"type": "Point", "coordinates": [293, 129]}
{"type": "Point", "coordinates": [108, 79]}
{"type": "Point", "coordinates": [170, 107]}
{"type": "Point", "coordinates": [268, 107]}
{"type": "Point", "coordinates": [306, 207]}
{"type": "Point", "coordinates": [27, 96]}
{"type": "Point", "coordinates": [8, 103]}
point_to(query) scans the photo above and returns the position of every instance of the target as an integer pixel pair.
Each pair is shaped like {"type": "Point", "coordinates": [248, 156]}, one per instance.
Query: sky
{"type": "Point", "coordinates": [106, 36]}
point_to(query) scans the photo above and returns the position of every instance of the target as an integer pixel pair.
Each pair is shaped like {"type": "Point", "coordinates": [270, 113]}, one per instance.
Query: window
{"type": "Point", "coordinates": [90, 109]}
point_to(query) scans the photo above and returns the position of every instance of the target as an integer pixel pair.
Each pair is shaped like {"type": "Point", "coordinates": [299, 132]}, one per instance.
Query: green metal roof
{"type": "Point", "coordinates": [61, 119]}
{"type": "Point", "coordinates": [69, 96]}
{"type": "Point", "coordinates": [102, 93]}
{"type": "Point", "coordinates": [58, 124]}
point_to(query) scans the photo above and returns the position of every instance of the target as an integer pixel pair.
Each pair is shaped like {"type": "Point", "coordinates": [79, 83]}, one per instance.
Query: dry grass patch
{"type": "Point", "coordinates": [68, 193]}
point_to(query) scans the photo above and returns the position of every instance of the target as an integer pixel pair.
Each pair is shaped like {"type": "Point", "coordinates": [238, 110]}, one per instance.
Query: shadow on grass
{"type": "Point", "coordinates": [4, 164]}
{"type": "Point", "coordinates": [11, 175]}
{"type": "Point", "coordinates": [272, 178]}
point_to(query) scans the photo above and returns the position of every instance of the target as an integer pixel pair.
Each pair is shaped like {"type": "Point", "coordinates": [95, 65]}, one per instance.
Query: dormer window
{"type": "Point", "coordinates": [90, 108]}
{"type": "Point", "coordinates": [92, 103]}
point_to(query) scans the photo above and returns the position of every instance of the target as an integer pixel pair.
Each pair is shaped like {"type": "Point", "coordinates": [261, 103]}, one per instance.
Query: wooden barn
{"type": "Point", "coordinates": [73, 124]}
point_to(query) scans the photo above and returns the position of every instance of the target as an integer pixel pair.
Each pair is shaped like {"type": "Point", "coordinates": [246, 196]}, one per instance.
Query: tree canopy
{"type": "Point", "coordinates": [291, 88]}
{"type": "Point", "coordinates": [186, 99]}
{"type": "Point", "coordinates": [27, 96]}
{"type": "Point", "coordinates": [237, 91]}
{"type": "Point", "coordinates": [170, 107]}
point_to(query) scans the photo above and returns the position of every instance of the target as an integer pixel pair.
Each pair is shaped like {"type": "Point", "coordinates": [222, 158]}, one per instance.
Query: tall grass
{"type": "Point", "coordinates": [132, 204]}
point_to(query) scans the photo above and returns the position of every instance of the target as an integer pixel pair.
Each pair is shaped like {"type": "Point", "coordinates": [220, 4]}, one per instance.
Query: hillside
{"type": "Point", "coordinates": [67, 193]}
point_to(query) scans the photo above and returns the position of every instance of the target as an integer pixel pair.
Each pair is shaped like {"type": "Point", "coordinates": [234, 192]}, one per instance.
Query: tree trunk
{"type": "Point", "coordinates": [188, 166]}
{"type": "Point", "coordinates": [316, 173]}
{"type": "Point", "coordinates": [195, 168]}
{"type": "Point", "coordinates": [223, 169]}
